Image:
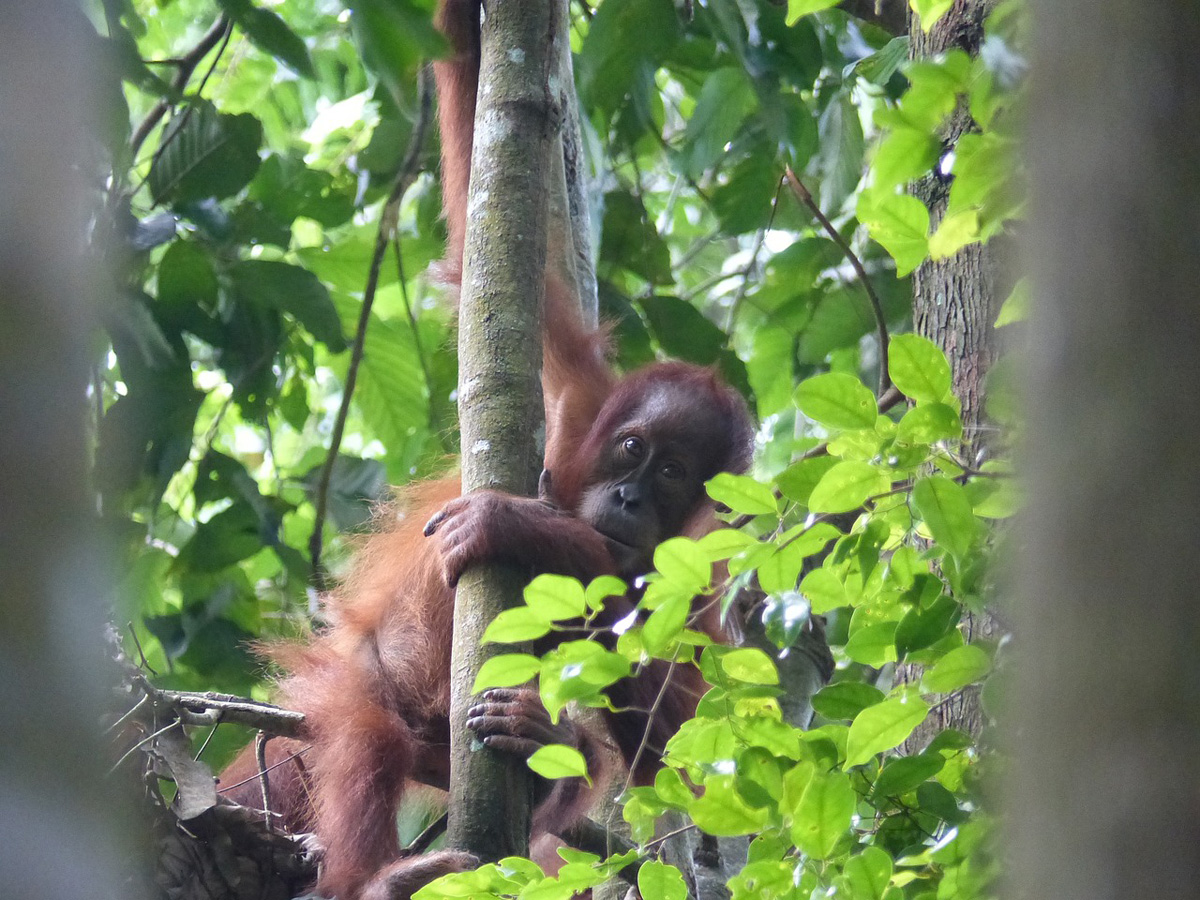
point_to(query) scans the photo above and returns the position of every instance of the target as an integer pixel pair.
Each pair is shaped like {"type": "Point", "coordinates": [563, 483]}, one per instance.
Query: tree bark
{"type": "Point", "coordinates": [955, 306]}
{"type": "Point", "coordinates": [1102, 792]}
{"type": "Point", "coordinates": [63, 833]}
{"type": "Point", "coordinates": [499, 388]}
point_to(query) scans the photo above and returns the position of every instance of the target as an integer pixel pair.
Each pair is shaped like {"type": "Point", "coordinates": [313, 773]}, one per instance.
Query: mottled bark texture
{"type": "Point", "coordinates": [1103, 788]}
{"type": "Point", "coordinates": [499, 388]}
{"type": "Point", "coordinates": [955, 305]}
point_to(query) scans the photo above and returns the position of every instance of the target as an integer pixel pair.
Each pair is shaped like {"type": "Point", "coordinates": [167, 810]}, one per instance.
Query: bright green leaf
{"type": "Point", "coordinates": [555, 597]}
{"type": "Point", "coordinates": [823, 814]}
{"type": "Point", "coordinates": [798, 8]}
{"type": "Point", "coordinates": [954, 232]}
{"type": "Point", "coordinates": [559, 761]}
{"type": "Point", "coordinates": [918, 368]}
{"type": "Point", "coordinates": [869, 873]}
{"type": "Point", "coordinates": [751, 665]}
{"type": "Point", "coordinates": [665, 624]}
{"type": "Point", "coordinates": [659, 881]}
{"type": "Point", "coordinates": [515, 625]}
{"type": "Point", "coordinates": [930, 11]}
{"type": "Point", "coordinates": [956, 669]}
{"type": "Point", "coordinates": [824, 590]}
{"type": "Point", "coordinates": [684, 564]}
{"type": "Point", "coordinates": [506, 670]}
{"type": "Point", "coordinates": [928, 424]}
{"type": "Point", "coordinates": [900, 222]}
{"type": "Point", "coordinates": [847, 486]}
{"type": "Point", "coordinates": [742, 494]}
{"type": "Point", "coordinates": [883, 727]}
{"type": "Point", "coordinates": [837, 400]}
{"type": "Point", "coordinates": [944, 506]}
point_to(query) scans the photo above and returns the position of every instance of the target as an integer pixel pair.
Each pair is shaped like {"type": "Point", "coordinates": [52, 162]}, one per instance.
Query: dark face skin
{"type": "Point", "coordinates": [649, 476]}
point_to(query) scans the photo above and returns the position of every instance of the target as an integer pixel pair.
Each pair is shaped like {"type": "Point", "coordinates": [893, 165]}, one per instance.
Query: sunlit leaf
{"type": "Point", "coordinates": [944, 506]}
{"type": "Point", "coordinates": [506, 670]}
{"type": "Point", "coordinates": [956, 669]}
{"type": "Point", "coordinates": [742, 494]}
{"type": "Point", "coordinates": [558, 761]}
{"type": "Point", "coordinates": [919, 368]}
{"type": "Point", "coordinates": [883, 727]}
{"type": "Point", "coordinates": [837, 400]}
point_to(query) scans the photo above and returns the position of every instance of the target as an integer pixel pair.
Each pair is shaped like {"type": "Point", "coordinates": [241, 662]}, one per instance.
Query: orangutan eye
{"type": "Point", "coordinates": [634, 447]}
{"type": "Point", "coordinates": [673, 471]}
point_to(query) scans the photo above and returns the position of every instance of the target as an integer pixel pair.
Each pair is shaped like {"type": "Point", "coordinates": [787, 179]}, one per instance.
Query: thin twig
{"type": "Point", "coordinates": [388, 218]}
{"type": "Point", "coordinates": [637, 757]}
{"type": "Point", "coordinates": [271, 768]}
{"type": "Point", "coordinates": [428, 835]}
{"type": "Point", "coordinates": [186, 66]}
{"type": "Point", "coordinates": [260, 757]}
{"type": "Point", "coordinates": [802, 194]}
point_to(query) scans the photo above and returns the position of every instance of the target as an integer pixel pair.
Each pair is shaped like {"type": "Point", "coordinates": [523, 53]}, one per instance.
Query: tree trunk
{"type": "Point", "coordinates": [62, 832]}
{"type": "Point", "coordinates": [955, 305]}
{"type": "Point", "coordinates": [499, 387]}
{"type": "Point", "coordinates": [1102, 792]}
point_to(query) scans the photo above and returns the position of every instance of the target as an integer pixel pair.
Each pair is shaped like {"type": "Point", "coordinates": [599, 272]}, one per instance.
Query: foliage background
{"type": "Point", "coordinates": [240, 208]}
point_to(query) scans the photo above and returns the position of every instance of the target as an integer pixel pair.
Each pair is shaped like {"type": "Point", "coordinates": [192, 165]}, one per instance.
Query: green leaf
{"type": "Point", "coordinates": [506, 670]}
{"type": "Point", "coordinates": [515, 625]}
{"type": "Point", "coordinates": [742, 494]}
{"type": "Point", "coordinates": [846, 699]}
{"type": "Point", "coordinates": [555, 597]}
{"type": "Point", "coordinates": [823, 814]}
{"type": "Point", "coordinates": [1016, 307]}
{"type": "Point", "coordinates": [683, 564]}
{"type": "Point", "coordinates": [906, 773]}
{"type": "Point", "coordinates": [600, 589]}
{"type": "Point", "coordinates": [722, 812]}
{"type": "Point", "coordinates": [922, 627]}
{"type": "Point", "coordinates": [798, 8]}
{"type": "Point", "coordinates": [659, 881]}
{"type": "Point", "coordinates": [873, 645]}
{"type": "Point", "coordinates": [837, 400]}
{"type": "Point", "coordinates": [293, 290]}
{"type": "Point", "coordinates": [665, 624]}
{"type": "Point", "coordinates": [824, 590]}
{"type": "Point", "coordinates": [725, 543]}
{"type": "Point", "coordinates": [723, 103]}
{"type": "Point", "coordinates": [900, 222]}
{"type": "Point", "coordinates": [204, 154]}
{"type": "Point", "coordinates": [868, 874]}
{"type": "Point", "coordinates": [919, 368]}
{"type": "Point", "coordinates": [271, 33]}
{"type": "Point", "coordinates": [797, 481]}
{"type": "Point", "coordinates": [958, 668]}
{"type": "Point", "coordinates": [559, 761]}
{"type": "Point", "coordinates": [954, 232]}
{"type": "Point", "coordinates": [928, 424]}
{"type": "Point", "coordinates": [751, 665]}
{"type": "Point", "coordinates": [883, 727]}
{"type": "Point", "coordinates": [944, 506]}
{"type": "Point", "coordinates": [847, 486]}
{"type": "Point", "coordinates": [930, 11]}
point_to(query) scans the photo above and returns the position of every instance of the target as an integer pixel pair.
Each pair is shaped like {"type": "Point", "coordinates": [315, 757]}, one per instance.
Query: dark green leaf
{"type": "Point", "coordinates": [293, 290]}
{"type": "Point", "coordinates": [204, 153]}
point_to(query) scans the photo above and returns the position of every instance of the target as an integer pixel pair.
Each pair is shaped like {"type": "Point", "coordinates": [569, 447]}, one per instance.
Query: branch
{"type": "Point", "coordinates": [186, 65]}
{"type": "Point", "coordinates": [499, 385]}
{"type": "Point", "coordinates": [211, 708]}
{"type": "Point", "coordinates": [806, 199]}
{"type": "Point", "coordinates": [388, 218]}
